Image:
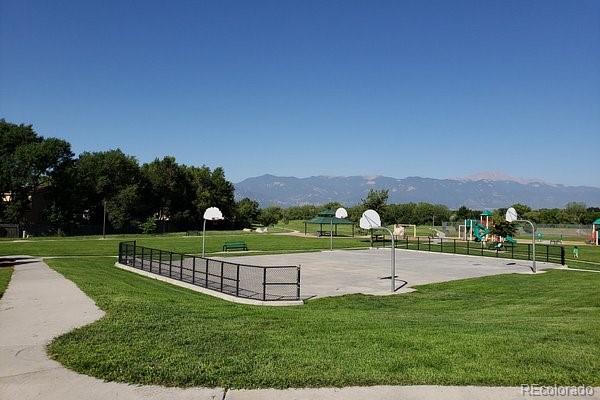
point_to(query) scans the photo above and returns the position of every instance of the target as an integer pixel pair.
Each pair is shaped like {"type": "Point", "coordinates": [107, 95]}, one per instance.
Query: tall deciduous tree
{"type": "Point", "coordinates": [28, 162]}
{"type": "Point", "coordinates": [110, 176]}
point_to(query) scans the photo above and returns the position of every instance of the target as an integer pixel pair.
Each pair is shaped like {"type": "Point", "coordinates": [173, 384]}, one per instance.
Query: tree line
{"type": "Point", "coordinates": [43, 183]}
{"type": "Point", "coordinates": [73, 192]}
{"type": "Point", "coordinates": [427, 214]}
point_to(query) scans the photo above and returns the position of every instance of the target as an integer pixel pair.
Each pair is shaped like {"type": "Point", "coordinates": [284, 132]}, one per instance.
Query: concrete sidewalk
{"type": "Point", "coordinates": [41, 304]}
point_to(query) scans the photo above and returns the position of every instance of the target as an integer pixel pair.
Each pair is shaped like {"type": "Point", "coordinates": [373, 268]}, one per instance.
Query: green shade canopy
{"type": "Point", "coordinates": [328, 217]}
{"type": "Point", "coordinates": [596, 222]}
{"type": "Point", "coordinates": [487, 213]}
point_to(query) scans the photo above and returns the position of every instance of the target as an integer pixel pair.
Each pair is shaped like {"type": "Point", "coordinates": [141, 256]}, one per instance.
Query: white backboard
{"type": "Point", "coordinates": [370, 219]}
{"type": "Point", "coordinates": [341, 213]}
{"type": "Point", "coordinates": [213, 214]}
{"type": "Point", "coordinates": [511, 215]}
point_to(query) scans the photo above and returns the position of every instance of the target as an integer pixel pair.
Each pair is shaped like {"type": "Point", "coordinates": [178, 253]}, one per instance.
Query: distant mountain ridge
{"type": "Point", "coordinates": [470, 191]}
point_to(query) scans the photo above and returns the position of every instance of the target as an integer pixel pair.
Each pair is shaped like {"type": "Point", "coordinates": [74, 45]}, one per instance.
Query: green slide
{"type": "Point", "coordinates": [480, 232]}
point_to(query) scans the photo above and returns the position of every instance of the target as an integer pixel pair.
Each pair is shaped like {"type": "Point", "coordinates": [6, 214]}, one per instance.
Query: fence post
{"type": "Point", "coordinates": [482, 249]}
{"type": "Point", "coordinates": [528, 251]}
{"type": "Point", "coordinates": [429, 243]}
{"type": "Point", "coordinates": [562, 255]}
{"type": "Point", "coordinates": [418, 243]}
{"type": "Point", "coordinates": [512, 251]}
{"type": "Point", "coordinates": [170, 263]}
{"type": "Point", "coordinates": [497, 251]}
{"type": "Point", "coordinates": [441, 245]}
{"type": "Point", "coordinates": [454, 245]}
{"type": "Point", "coordinates": [160, 262]}
{"type": "Point", "coordinates": [151, 257]}
{"type": "Point", "coordinates": [221, 276]}
{"type": "Point", "coordinates": [298, 285]}
{"type": "Point", "coordinates": [264, 284]}
{"type": "Point", "coordinates": [134, 255]}
{"type": "Point", "coordinates": [193, 270]}
{"type": "Point", "coordinates": [206, 272]}
{"type": "Point", "coordinates": [142, 258]}
{"type": "Point", "coordinates": [406, 243]}
{"type": "Point", "coordinates": [120, 251]}
{"type": "Point", "coordinates": [468, 247]}
{"type": "Point", "coordinates": [237, 281]}
{"type": "Point", "coordinates": [181, 268]}
{"type": "Point", "coordinates": [547, 253]}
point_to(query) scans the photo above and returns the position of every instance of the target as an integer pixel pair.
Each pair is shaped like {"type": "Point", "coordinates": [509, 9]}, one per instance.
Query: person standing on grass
{"type": "Point", "coordinates": [575, 252]}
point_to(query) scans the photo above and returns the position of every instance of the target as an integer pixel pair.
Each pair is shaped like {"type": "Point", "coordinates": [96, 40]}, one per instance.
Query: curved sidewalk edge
{"type": "Point", "coordinates": [41, 304]}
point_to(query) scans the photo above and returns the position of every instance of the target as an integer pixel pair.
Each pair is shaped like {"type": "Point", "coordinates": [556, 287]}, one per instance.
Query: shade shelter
{"type": "Point", "coordinates": [326, 218]}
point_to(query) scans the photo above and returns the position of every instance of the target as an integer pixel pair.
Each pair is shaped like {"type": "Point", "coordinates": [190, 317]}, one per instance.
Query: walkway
{"type": "Point", "coordinates": [41, 304]}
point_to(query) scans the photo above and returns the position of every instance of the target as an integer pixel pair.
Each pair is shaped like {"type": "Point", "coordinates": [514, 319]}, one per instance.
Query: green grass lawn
{"type": "Point", "coordinates": [95, 246]}
{"type": "Point", "coordinates": [5, 274]}
{"type": "Point", "coordinates": [589, 256]}
{"type": "Point", "coordinates": [344, 230]}
{"type": "Point", "coordinates": [499, 330]}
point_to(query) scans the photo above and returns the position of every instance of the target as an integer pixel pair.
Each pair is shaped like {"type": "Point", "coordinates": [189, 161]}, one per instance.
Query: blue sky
{"type": "Point", "coordinates": [427, 88]}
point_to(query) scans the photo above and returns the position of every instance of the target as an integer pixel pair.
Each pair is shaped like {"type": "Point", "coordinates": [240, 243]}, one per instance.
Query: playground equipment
{"type": "Point", "coordinates": [400, 230]}
{"type": "Point", "coordinates": [595, 239]}
{"type": "Point", "coordinates": [476, 230]}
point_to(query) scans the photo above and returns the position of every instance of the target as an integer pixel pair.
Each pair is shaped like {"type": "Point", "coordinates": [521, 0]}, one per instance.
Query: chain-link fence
{"type": "Point", "coordinates": [266, 283]}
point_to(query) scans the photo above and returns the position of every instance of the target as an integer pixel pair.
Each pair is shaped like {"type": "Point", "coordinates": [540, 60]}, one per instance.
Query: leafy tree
{"type": "Point", "coordinates": [332, 205]}
{"type": "Point", "coordinates": [247, 212]}
{"type": "Point", "coordinates": [300, 212]}
{"type": "Point", "coordinates": [503, 228]}
{"type": "Point", "coordinates": [27, 163]}
{"type": "Point", "coordinates": [376, 200]}
{"type": "Point", "coordinates": [169, 187]}
{"type": "Point", "coordinates": [466, 213]}
{"type": "Point", "coordinates": [148, 226]}
{"type": "Point", "coordinates": [521, 209]}
{"type": "Point", "coordinates": [112, 177]}
{"type": "Point", "coordinates": [269, 216]}
{"type": "Point", "coordinates": [574, 213]}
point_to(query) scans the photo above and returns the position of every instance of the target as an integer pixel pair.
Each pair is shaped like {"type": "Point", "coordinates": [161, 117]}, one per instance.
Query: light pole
{"type": "Point", "coordinates": [211, 214]}
{"type": "Point", "coordinates": [339, 213]}
{"type": "Point", "coordinates": [512, 216]}
{"type": "Point", "coordinates": [371, 220]}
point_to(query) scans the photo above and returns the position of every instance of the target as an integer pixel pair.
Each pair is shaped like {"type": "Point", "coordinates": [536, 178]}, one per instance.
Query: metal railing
{"type": "Point", "coordinates": [265, 283]}
{"type": "Point", "coordinates": [544, 252]}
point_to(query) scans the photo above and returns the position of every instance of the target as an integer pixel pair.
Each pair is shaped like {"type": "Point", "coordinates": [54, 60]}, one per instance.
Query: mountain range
{"type": "Point", "coordinates": [479, 191]}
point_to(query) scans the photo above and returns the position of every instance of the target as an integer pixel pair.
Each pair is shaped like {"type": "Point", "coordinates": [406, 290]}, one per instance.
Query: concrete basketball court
{"type": "Point", "coordinates": [339, 272]}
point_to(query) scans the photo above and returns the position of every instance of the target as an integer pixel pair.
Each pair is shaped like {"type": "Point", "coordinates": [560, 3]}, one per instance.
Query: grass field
{"type": "Point", "coordinates": [5, 274]}
{"type": "Point", "coordinates": [343, 230]}
{"type": "Point", "coordinates": [90, 246]}
{"type": "Point", "coordinates": [589, 256]}
{"type": "Point", "coordinates": [500, 330]}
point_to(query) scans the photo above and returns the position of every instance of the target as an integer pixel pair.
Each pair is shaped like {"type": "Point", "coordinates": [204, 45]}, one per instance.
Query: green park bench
{"type": "Point", "coordinates": [235, 246]}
